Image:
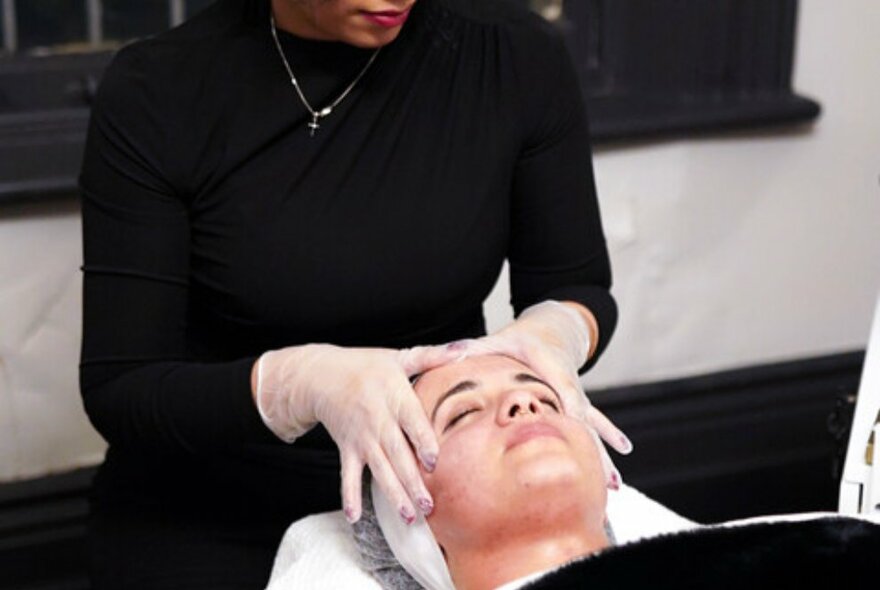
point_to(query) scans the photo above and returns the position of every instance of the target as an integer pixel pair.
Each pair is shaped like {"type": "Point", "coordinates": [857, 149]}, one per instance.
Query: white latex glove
{"type": "Point", "coordinates": [553, 340]}
{"type": "Point", "coordinates": [364, 399]}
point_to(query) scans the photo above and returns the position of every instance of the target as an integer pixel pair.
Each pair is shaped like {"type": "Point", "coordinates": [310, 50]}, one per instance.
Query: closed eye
{"type": "Point", "coordinates": [458, 417]}
{"type": "Point", "coordinates": [552, 403]}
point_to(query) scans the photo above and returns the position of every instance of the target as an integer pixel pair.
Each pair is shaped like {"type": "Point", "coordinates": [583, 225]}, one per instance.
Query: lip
{"type": "Point", "coordinates": [527, 432]}
{"type": "Point", "coordinates": [387, 18]}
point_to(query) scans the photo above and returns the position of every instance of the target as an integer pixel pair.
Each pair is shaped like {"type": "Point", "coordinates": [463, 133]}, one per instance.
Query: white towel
{"type": "Point", "coordinates": [319, 552]}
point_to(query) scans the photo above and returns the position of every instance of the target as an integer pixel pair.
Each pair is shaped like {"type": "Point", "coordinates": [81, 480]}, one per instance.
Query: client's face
{"type": "Point", "coordinates": [511, 465]}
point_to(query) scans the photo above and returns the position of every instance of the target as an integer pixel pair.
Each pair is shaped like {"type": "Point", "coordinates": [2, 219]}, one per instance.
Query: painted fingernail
{"type": "Point", "coordinates": [457, 346]}
{"type": "Point", "coordinates": [426, 506]}
{"type": "Point", "coordinates": [407, 514]}
{"type": "Point", "coordinates": [625, 444]}
{"type": "Point", "coordinates": [615, 481]}
{"type": "Point", "coordinates": [349, 515]}
{"type": "Point", "coordinates": [429, 460]}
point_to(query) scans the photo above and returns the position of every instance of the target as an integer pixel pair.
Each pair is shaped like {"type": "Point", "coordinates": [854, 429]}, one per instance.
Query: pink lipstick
{"type": "Point", "coordinates": [387, 18]}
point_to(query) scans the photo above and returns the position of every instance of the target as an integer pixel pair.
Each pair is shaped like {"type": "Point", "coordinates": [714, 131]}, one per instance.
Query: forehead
{"type": "Point", "coordinates": [484, 368]}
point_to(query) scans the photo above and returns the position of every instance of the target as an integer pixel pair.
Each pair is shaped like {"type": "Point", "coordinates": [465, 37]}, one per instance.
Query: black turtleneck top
{"type": "Point", "coordinates": [216, 228]}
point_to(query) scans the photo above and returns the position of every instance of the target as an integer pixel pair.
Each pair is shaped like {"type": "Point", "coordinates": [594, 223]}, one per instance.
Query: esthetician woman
{"type": "Point", "coordinates": [289, 208]}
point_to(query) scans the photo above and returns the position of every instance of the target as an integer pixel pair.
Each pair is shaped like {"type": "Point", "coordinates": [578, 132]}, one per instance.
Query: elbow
{"type": "Point", "coordinates": [99, 415]}
{"type": "Point", "coordinates": [97, 396]}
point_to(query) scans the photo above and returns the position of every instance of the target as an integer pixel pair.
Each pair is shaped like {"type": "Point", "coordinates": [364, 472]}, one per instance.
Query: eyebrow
{"type": "Point", "coordinates": [469, 385]}
{"type": "Point", "coordinates": [459, 388]}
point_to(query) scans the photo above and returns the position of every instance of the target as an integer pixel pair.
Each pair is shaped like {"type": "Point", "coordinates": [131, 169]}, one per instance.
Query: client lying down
{"type": "Point", "coordinates": [520, 487]}
{"type": "Point", "coordinates": [520, 491]}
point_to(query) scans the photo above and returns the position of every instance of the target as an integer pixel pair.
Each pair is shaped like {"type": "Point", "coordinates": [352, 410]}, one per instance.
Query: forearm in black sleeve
{"type": "Point", "coordinates": [139, 386]}
{"type": "Point", "coordinates": [558, 248]}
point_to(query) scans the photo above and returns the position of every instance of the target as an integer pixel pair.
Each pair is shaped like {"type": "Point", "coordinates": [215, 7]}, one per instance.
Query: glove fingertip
{"type": "Point", "coordinates": [351, 503]}
{"type": "Point", "coordinates": [428, 459]}
{"type": "Point", "coordinates": [622, 444]}
{"type": "Point", "coordinates": [351, 476]}
{"type": "Point", "coordinates": [352, 515]}
{"type": "Point", "coordinates": [615, 480]}
{"type": "Point", "coordinates": [424, 358]}
{"type": "Point", "coordinates": [458, 345]}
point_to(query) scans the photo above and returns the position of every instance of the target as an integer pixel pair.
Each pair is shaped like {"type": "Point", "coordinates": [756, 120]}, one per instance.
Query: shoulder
{"type": "Point", "coordinates": [510, 20]}
{"type": "Point", "coordinates": [188, 53]}
{"type": "Point", "coordinates": [527, 55]}
{"type": "Point", "coordinates": [490, 12]}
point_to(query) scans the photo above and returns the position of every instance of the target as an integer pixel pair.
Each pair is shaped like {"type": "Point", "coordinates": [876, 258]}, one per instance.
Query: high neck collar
{"type": "Point", "coordinates": [254, 13]}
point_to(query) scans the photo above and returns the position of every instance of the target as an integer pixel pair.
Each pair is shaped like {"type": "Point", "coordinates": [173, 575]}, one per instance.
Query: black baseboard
{"type": "Point", "coordinates": [752, 441]}
{"type": "Point", "coordinates": [716, 447]}
{"type": "Point", "coordinates": [42, 532]}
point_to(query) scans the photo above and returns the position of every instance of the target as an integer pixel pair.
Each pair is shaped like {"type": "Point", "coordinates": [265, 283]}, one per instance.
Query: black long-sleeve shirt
{"type": "Point", "coordinates": [216, 228]}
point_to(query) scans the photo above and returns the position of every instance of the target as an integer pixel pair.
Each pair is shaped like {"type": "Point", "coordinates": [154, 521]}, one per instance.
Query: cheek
{"type": "Point", "coordinates": [590, 451]}
{"type": "Point", "coordinates": [461, 484]}
{"type": "Point", "coordinates": [330, 13]}
{"type": "Point", "coordinates": [459, 462]}
{"type": "Point", "coordinates": [591, 465]}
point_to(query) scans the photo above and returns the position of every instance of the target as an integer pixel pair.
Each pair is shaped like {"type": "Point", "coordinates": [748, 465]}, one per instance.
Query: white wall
{"type": "Point", "coordinates": [755, 247]}
{"type": "Point", "coordinates": [43, 428]}
{"type": "Point", "coordinates": [751, 247]}
{"type": "Point", "coordinates": [729, 251]}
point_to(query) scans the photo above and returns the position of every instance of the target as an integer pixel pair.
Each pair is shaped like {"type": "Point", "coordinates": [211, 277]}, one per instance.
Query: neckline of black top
{"type": "Point", "coordinates": [335, 58]}
{"type": "Point", "coordinates": [294, 44]}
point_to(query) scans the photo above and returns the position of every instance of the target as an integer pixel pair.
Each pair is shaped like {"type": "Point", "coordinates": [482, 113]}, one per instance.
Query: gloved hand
{"type": "Point", "coordinates": [553, 340]}
{"type": "Point", "coordinates": [364, 399]}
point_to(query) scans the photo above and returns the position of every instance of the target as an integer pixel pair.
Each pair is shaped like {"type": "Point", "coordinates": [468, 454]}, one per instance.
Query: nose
{"type": "Point", "coordinates": [519, 404]}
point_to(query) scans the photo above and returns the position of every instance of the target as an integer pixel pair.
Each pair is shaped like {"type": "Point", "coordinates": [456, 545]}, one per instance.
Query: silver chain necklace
{"type": "Point", "coordinates": [316, 115]}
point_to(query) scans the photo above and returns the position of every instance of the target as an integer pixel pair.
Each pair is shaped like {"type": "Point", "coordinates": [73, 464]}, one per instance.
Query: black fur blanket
{"type": "Point", "coordinates": [826, 553]}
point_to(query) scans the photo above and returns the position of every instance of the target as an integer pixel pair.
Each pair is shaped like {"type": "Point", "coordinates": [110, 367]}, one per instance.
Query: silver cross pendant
{"type": "Point", "coordinates": [314, 125]}
{"type": "Point", "coordinates": [316, 116]}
